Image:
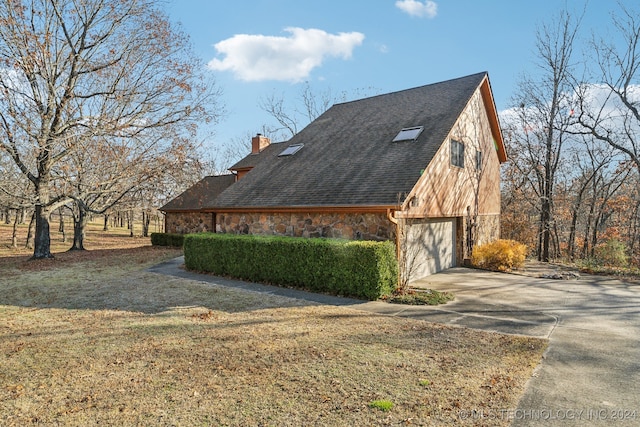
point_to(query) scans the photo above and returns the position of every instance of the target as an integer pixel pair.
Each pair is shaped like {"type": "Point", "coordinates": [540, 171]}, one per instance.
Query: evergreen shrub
{"type": "Point", "coordinates": [361, 269]}
{"type": "Point", "coordinates": [167, 239]}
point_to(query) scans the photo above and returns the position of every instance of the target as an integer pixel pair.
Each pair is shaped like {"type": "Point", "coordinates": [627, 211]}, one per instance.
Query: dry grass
{"type": "Point", "coordinates": [92, 338]}
{"type": "Point", "coordinates": [114, 238]}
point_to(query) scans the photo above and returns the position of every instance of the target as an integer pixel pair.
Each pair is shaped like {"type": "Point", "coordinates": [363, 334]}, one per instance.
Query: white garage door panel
{"type": "Point", "coordinates": [431, 247]}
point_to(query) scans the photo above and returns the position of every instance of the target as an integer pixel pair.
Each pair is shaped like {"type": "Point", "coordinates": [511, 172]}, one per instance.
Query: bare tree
{"type": "Point", "coordinates": [605, 186]}
{"type": "Point", "coordinates": [310, 105]}
{"type": "Point", "coordinates": [291, 118]}
{"type": "Point", "coordinates": [610, 111]}
{"type": "Point", "coordinates": [589, 159]}
{"type": "Point", "coordinates": [107, 170]}
{"type": "Point", "coordinates": [75, 70]}
{"type": "Point", "coordinates": [15, 196]}
{"type": "Point", "coordinates": [596, 153]}
{"type": "Point", "coordinates": [542, 118]}
{"type": "Point", "coordinates": [217, 160]}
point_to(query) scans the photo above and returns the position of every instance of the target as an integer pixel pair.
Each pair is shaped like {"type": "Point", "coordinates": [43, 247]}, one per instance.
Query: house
{"type": "Point", "coordinates": [419, 166]}
{"type": "Point", "coordinates": [184, 214]}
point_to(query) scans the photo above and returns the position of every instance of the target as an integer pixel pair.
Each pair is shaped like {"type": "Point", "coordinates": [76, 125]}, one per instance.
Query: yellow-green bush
{"type": "Point", "coordinates": [612, 253]}
{"type": "Point", "coordinates": [500, 255]}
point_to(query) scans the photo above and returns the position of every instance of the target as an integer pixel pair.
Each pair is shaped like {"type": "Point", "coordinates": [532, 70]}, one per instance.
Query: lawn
{"type": "Point", "coordinates": [93, 338]}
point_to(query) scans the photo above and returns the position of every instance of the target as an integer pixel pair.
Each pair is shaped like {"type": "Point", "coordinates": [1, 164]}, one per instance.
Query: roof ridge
{"type": "Point", "coordinates": [483, 73]}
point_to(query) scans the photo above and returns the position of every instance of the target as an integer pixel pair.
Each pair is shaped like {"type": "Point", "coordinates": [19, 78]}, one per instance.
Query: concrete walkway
{"type": "Point", "coordinates": [591, 371]}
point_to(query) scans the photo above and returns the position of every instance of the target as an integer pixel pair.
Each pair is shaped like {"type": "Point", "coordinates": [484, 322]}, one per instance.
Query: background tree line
{"type": "Point", "coordinates": [570, 189]}
{"type": "Point", "coordinates": [100, 101]}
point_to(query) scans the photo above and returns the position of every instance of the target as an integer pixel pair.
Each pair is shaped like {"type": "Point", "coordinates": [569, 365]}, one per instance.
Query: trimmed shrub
{"type": "Point", "coordinates": [362, 269]}
{"type": "Point", "coordinates": [167, 239]}
{"type": "Point", "coordinates": [500, 255]}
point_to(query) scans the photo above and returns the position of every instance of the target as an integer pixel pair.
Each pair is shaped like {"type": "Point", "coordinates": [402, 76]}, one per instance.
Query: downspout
{"type": "Point", "coordinates": [394, 220]}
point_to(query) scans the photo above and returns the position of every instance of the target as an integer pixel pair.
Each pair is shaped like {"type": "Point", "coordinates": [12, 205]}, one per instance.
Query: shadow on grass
{"type": "Point", "coordinates": [131, 280]}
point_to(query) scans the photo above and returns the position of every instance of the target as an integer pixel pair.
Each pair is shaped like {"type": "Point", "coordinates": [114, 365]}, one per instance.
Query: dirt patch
{"type": "Point", "coordinates": [95, 339]}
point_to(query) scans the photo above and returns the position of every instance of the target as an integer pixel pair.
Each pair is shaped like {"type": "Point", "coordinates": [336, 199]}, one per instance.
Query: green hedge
{"type": "Point", "coordinates": [167, 239]}
{"type": "Point", "coordinates": [362, 269]}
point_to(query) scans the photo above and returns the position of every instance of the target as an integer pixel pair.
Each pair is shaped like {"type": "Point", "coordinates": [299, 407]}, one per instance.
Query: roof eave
{"type": "Point", "coordinates": [304, 208]}
{"type": "Point", "coordinates": [178, 210]}
{"type": "Point", "coordinates": [494, 122]}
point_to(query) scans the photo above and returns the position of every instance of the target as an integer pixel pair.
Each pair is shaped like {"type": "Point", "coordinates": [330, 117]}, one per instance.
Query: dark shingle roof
{"type": "Point", "coordinates": [252, 160]}
{"type": "Point", "coordinates": [348, 158]}
{"type": "Point", "coordinates": [201, 193]}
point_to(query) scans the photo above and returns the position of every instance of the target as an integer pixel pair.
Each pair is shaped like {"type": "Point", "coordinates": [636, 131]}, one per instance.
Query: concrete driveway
{"type": "Point", "coordinates": [591, 371]}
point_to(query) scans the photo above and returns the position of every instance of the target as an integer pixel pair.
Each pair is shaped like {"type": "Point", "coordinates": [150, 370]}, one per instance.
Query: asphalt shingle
{"type": "Point", "coordinates": [201, 193]}
{"type": "Point", "coordinates": [348, 158]}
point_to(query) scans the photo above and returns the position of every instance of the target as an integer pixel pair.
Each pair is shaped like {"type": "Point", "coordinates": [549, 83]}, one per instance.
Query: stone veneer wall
{"type": "Point", "coordinates": [188, 222]}
{"type": "Point", "coordinates": [333, 225]}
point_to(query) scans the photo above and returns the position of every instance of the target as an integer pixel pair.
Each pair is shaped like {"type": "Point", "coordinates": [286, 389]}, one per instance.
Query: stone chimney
{"type": "Point", "coordinates": [259, 143]}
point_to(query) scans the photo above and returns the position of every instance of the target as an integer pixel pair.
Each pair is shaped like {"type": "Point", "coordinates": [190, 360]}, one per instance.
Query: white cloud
{"type": "Point", "coordinates": [428, 9]}
{"type": "Point", "coordinates": [594, 102]}
{"type": "Point", "coordinates": [599, 101]}
{"type": "Point", "coordinates": [259, 57]}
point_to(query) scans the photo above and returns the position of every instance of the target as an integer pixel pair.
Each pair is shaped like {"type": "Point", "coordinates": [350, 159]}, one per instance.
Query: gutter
{"type": "Point", "coordinates": [301, 209]}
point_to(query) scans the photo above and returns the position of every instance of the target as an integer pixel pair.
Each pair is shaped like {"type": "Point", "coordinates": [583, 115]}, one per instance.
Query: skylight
{"type": "Point", "coordinates": [408, 134]}
{"type": "Point", "coordinates": [291, 150]}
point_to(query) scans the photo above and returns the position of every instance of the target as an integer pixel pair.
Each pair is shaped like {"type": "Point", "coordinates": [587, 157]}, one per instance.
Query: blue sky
{"type": "Point", "coordinates": [257, 48]}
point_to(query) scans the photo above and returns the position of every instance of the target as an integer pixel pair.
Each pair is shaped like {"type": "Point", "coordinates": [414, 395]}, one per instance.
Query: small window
{"type": "Point", "coordinates": [291, 150]}
{"type": "Point", "coordinates": [478, 160]}
{"type": "Point", "coordinates": [457, 153]}
{"type": "Point", "coordinates": [408, 134]}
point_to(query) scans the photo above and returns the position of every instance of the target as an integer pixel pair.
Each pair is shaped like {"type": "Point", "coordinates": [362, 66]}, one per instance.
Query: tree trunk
{"type": "Point", "coordinates": [587, 229]}
{"type": "Point", "coordinates": [7, 216]}
{"type": "Point", "coordinates": [14, 234]}
{"type": "Point", "coordinates": [61, 225]}
{"type": "Point", "coordinates": [575, 210]}
{"type": "Point", "coordinates": [146, 220]}
{"type": "Point", "coordinates": [594, 236]}
{"type": "Point", "coordinates": [79, 227]}
{"type": "Point", "coordinates": [29, 242]}
{"type": "Point", "coordinates": [571, 244]}
{"type": "Point", "coordinates": [42, 238]}
{"type": "Point", "coordinates": [130, 222]}
{"type": "Point", "coordinates": [539, 241]}
{"type": "Point", "coordinates": [106, 223]}
{"type": "Point", "coordinates": [545, 218]}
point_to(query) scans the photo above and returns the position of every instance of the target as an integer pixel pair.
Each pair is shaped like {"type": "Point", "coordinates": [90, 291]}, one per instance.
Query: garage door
{"type": "Point", "coordinates": [430, 247]}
